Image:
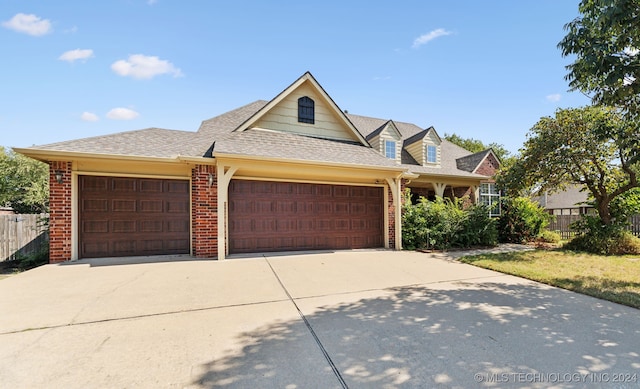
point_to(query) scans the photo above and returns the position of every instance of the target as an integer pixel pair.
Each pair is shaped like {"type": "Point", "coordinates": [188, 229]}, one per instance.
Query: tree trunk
{"type": "Point", "coordinates": [603, 211]}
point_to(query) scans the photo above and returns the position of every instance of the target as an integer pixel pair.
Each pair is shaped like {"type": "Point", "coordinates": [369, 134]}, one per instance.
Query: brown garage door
{"type": "Point", "coordinates": [282, 216]}
{"type": "Point", "coordinates": [123, 216]}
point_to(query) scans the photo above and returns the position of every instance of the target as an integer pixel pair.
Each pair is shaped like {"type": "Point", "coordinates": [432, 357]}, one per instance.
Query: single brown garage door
{"type": "Point", "coordinates": [283, 216]}
{"type": "Point", "coordinates": [123, 216]}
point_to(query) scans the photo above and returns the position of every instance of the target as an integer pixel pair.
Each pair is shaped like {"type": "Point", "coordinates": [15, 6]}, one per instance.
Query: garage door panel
{"type": "Point", "coordinates": [147, 226]}
{"type": "Point", "coordinates": [177, 206]}
{"type": "Point", "coordinates": [123, 205]}
{"type": "Point", "coordinates": [132, 216]}
{"type": "Point", "coordinates": [123, 185]}
{"type": "Point", "coordinates": [151, 186]}
{"type": "Point", "coordinates": [96, 226]}
{"type": "Point", "coordinates": [151, 205]}
{"type": "Point", "coordinates": [124, 226]}
{"type": "Point", "coordinates": [277, 216]}
{"type": "Point", "coordinates": [95, 205]}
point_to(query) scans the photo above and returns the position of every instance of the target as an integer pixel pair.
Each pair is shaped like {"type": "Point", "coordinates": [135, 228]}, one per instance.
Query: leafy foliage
{"type": "Point", "coordinates": [598, 238]}
{"type": "Point", "coordinates": [548, 236]}
{"type": "Point", "coordinates": [475, 146]}
{"type": "Point", "coordinates": [446, 223]}
{"type": "Point", "coordinates": [24, 183]}
{"type": "Point", "coordinates": [588, 146]}
{"type": "Point", "coordinates": [521, 220]}
{"type": "Point", "coordinates": [605, 40]}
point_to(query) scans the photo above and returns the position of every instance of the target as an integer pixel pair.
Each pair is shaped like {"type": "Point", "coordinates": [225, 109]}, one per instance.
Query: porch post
{"type": "Point", "coordinates": [476, 193]}
{"type": "Point", "coordinates": [224, 178]}
{"type": "Point", "coordinates": [394, 185]}
{"type": "Point", "coordinates": [439, 188]}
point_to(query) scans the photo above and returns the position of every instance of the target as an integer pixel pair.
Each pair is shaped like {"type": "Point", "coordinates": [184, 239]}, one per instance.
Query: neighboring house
{"type": "Point", "coordinates": [292, 173]}
{"type": "Point", "coordinates": [571, 201]}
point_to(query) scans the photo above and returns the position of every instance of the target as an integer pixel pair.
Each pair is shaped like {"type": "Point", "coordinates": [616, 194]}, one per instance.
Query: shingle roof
{"type": "Point", "coordinates": [272, 144]}
{"type": "Point", "coordinates": [571, 197]}
{"type": "Point", "coordinates": [150, 142]}
{"type": "Point", "coordinates": [470, 162]}
{"type": "Point", "coordinates": [448, 163]}
{"type": "Point", "coordinates": [219, 133]}
{"type": "Point", "coordinates": [450, 152]}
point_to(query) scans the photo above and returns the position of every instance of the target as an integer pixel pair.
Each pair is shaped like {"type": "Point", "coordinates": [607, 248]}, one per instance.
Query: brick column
{"type": "Point", "coordinates": [59, 212]}
{"type": "Point", "coordinates": [204, 211]}
{"type": "Point", "coordinates": [391, 211]}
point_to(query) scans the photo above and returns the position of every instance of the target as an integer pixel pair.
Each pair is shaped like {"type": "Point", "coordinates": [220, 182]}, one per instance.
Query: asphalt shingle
{"type": "Point", "coordinates": [219, 133]}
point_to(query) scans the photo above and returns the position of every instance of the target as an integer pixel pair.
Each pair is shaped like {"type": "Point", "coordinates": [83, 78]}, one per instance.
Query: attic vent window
{"type": "Point", "coordinates": [306, 110]}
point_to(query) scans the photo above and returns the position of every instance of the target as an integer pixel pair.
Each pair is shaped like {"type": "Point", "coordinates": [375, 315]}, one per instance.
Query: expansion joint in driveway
{"type": "Point", "coordinates": [334, 368]}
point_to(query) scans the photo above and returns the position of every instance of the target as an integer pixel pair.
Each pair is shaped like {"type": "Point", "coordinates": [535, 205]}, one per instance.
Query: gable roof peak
{"type": "Point", "coordinates": [307, 77]}
{"type": "Point", "coordinates": [421, 135]}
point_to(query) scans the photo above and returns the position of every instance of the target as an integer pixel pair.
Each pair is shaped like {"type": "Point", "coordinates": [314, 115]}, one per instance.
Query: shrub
{"type": "Point", "coordinates": [521, 220]}
{"type": "Point", "coordinates": [606, 239]}
{"type": "Point", "coordinates": [479, 229]}
{"type": "Point", "coordinates": [548, 236]}
{"type": "Point", "coordinates": [446, 223]}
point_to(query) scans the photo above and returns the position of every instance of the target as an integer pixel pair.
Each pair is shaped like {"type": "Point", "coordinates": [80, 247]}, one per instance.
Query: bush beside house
{"type": "Point", "coordinates": [445, 224]}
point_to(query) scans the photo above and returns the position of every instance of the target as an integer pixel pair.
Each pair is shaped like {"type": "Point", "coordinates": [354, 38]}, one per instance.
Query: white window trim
{"type": "Point", "coordinates": [435, 154]}
{"type": "Point", "coordinates": [395, 148]}
{"type": "Point", "coordinates": [489, 192]}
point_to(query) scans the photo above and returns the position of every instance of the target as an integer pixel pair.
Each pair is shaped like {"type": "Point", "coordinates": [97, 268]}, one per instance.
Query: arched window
{"type": "Point", "coordinates": [306, 110]}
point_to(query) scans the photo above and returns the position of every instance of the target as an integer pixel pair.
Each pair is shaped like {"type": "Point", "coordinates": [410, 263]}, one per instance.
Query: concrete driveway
{"type": "Point", "coordinates": [322, 320]}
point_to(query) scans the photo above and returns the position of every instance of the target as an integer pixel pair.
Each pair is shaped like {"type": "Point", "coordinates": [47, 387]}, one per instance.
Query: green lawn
{"type": "Point", "coordinates": [613, 278]}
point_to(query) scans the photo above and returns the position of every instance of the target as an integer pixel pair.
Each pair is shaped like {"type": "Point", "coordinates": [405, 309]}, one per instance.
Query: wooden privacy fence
{"type": "Point", "coordinates": [22, 235]}
{"type": "Point", "coordinates": [562, 222]}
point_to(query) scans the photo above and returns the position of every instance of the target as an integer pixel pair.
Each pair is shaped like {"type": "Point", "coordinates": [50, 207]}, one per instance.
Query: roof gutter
{"type": "Point", "coordinates": [55, 155]}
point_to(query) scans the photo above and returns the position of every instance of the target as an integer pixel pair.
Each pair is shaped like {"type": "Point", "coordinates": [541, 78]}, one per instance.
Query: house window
{"type": "Point", "coordinates": [490, 196]}
{"type": "Point", "coordinates": [306, 110]}
{"type": "Point", "coordinates": [390, 149]}
{"type": "Point", "coordinates": [432, 154]}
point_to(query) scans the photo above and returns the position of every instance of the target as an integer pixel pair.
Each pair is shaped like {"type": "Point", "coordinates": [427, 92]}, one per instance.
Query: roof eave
{"type": "Point", "coordinates": [57, 155]}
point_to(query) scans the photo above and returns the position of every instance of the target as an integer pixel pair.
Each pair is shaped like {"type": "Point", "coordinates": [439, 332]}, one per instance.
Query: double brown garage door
{"type": "Point", "coordinates": [123, 216]}
{"type": "Point", "coordinates": [282, 216]}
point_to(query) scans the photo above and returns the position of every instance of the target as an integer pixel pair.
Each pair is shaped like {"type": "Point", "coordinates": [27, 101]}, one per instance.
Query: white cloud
{"type": "Point", "coordinates": [144, 67]}
{"type": "Point", "coordinates": [29, 24]}
{"type": "Point", "coordinates": [554, 98]}
{"type": "Point", "coordinates": [89, 117]}
{"type": "Point", "coordinates": [152, 2]}
{"type": "Point", "coordinates": [122, 114]}
{"type": "Point", "coordinates": [425, 38]}
{"type": "Point", "coordinates": [74, 55]}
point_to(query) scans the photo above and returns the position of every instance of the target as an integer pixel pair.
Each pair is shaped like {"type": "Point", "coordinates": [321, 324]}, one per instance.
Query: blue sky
{"type": "Point", "coordinates": [480, 69]}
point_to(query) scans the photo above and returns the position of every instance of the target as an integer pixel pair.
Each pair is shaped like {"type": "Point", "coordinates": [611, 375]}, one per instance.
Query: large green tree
{"type": "Point", "coordinates": [475, 146]}
{"type": "Point", "coordinates": [605, 40]}
{"type": "Point", "coordinates": [24, 183]}
{"type": "Point", "coordinates": [584, 146]}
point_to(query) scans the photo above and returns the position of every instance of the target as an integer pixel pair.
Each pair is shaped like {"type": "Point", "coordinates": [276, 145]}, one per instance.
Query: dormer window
{"type": "Point", "coordinates": [390, 149]}
{"type": "Point", "coordinates": [306, 110]}
{"type": "Point", "coordinates": [432, 154]}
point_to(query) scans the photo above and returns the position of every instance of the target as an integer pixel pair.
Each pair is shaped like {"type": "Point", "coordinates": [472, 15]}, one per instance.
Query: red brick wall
{"type": "Point", "coordinates": [489, 166]}
{"type": "Point", "coordinates": [204, 212]}
{"type": "Point", "coordinates": [59, 212]}
{"type": "Point", "coordinates": [391, 210]}
{"type": "Point", "coordinates": [466, 193]}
